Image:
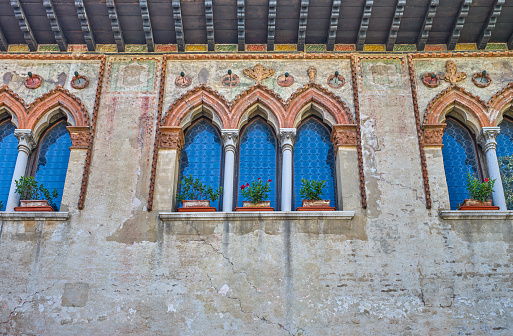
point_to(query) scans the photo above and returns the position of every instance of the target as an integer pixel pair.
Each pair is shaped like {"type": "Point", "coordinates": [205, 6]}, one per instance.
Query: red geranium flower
{"type": "Point", "coordinates": [247, 184]}
{"type": "Point", "coordinates": [259, 178]}
{"type": "Point", "coordinates": [486, 179]}
{"type": "Point", "coordinates": [269, 180]}
{"type": "Point", "coordinates": [242, 187]}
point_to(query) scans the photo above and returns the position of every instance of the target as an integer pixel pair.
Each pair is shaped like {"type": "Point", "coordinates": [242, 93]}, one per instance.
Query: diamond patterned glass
{"type": "Point", "coordinates": [201, 155]}
{"type": "Point", "coordinates": [8, 156]}
{"type": "Point", "coordinates": [52, 163]}
{"type": "Point", "coordinates": [505, 148]}
{"type": "Point", "coordinates": [459, 159]}
{"type": "Point", "coordinates": [314, 159]}
{"type": "Point", "coordinates": [257, 157]}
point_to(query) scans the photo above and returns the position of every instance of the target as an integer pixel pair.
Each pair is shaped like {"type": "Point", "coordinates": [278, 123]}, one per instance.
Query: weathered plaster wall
{"type": "Point", "coordinates": [396, 268]}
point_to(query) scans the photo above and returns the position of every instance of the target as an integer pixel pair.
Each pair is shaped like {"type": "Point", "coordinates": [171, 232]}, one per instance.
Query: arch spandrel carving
{"type": "Point", "coordinates": [500, 103]}
{"type": "Point", "coordinates": [14, 105]}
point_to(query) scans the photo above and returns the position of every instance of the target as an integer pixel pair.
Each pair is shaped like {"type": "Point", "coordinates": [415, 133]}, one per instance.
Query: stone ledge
{"type": "Point", "coordinates": [475, 214]}
{"type": "Point", "coordinates": [55, 216]}
{"type": "Point", "coordinates": [341, 215]}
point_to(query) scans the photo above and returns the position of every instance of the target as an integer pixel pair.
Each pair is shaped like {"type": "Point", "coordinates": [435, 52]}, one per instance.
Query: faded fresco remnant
{"type": "Point", "coordinates": [132, 76]}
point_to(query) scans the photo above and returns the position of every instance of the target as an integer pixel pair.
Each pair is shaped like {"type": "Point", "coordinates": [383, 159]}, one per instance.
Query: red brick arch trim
{"type": "Point", "coordinates": [499, 103]}
{"type": "Point", "coordinates": [257, 94]}
{"type": "Point", "coordinates": [314, 93]}
{"type": "Point", "coordinates": [14, 103]}
{"type": "Point", "coordinates": [200, 95]}
{"type": "Point", "coordinates": [455, 95]}
{"type": "Point", "coordinates": [52, 99]}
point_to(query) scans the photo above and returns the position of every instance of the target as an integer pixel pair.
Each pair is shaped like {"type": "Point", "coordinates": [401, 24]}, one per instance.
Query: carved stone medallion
{"type": "Point", "coordinates": [33, 81]}
{"type": "Point", "coordinates": [183, 81]}
{"type": "Point", "coordinates": [433, 135]}
{"type": "Point", "coordinates": [430, 79]}
{"type": "Point", "coordinates": [79, 82]}
{"type": "Point", "coordinates": [336, 81]}
{"type": "Point", "coordinates": [258, 73]}
{"type": "Point", "coordinates": [312, 72]}
{"type": "Point", "coordinates": [481, 79]}
{"type": "Point", "coordinates": [452, 75]}
{"type": "Point", "coordinates": [343, 136]}
{"type": "Point", "coordinates": [79, 135]}
{"type": "Point", "coordinates": [285, 80]}
{"type": "Point", "coordinates": [230, 80]}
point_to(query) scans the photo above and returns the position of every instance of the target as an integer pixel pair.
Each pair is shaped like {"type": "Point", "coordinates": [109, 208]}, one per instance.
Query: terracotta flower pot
{"type": "Point", "coordinates": [196, 206]}
{"type": "Point", "coordinates": [259, 206]}
{"type": "Point", "coordinates": [316, 205]}
{"type": "Point", "coordinates": [471, 204]}
{"type": "Point", "coordinates": [34, 205]}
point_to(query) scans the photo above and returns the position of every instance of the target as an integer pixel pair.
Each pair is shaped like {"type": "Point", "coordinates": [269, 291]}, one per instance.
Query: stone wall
{"type": "Point", "coordinates": [394, 267]}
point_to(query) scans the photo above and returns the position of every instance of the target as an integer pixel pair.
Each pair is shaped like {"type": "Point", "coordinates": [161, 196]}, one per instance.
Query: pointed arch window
{"type": "Point", "coordinates": [505, 149]}
{"type": "Point", "coordinates": [258, 157]}
{"type": "Point", "coordinates": [8, 155]}
{"type": "Point", "coordinates": [314, 158]}
{"type": "Point", "coordinates": [201, 154]}
{"type": "Point", "coordinates": [460, 158]}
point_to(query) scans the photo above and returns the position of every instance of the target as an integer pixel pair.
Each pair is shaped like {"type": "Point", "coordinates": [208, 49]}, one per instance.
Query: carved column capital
{"type": "Point", "coordinates": [26, 142]}
{"type": "Point", "coordinates": [344, 136]}
{"type": "Point", "coordinates": [488, 136]}
{"type": "Point", "coordinates": [433, 135]}
{"type": "Point", "coordinates": [80, 136]}
{"type": "Point", "coordinates": [171, 137]}
{"type": "Point", "coordinates": [230, 139]}
{"type": "Point", "coordinates": [287, 138]}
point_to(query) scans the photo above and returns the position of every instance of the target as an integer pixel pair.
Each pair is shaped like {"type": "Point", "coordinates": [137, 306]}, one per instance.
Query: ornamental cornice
{"type": "Point", "coordinates": [80, 136]}
{"type": "Point", "coordinates": [230, 138]}
{"type": "Point", "coordinates": [171, 137]}
{"type": "Point", "coordinates": [26, 140]}
{"type": "Point", "coordinates": [488, 136]}
{"type": "Point", "coordinates": [344, 136]}
{"type": "Point", "coordinates": [433, 135]}
{"type": "Point", "coordinates": [287, 138]}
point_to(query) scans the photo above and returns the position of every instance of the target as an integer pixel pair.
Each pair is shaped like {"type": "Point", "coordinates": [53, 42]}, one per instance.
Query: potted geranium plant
{"type": "Point", "coordinates": [255, 194]}
{"type": "Point", "coordinates": [480, 193]}
{"type": "Point", "coordinates": [311, 191]}
{"type": "Point", "coordinates": [195, 196]}
{"type": "Point", "coordinates": [34, 196]}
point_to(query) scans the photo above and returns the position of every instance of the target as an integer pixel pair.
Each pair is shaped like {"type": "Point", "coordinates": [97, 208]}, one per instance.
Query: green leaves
{"type": "Point", "coordinates": [480, 191]}
{"type": "Point", "coordinates": [506, 168]}
{"type": "Point", "coordinates": [257, 191]}
{"type": "Point", "coordinates": [193, 189]}
{"type": "Point", "coordinates": [312, 190]}
{"type": "Point", "coordinates": [29, 189]}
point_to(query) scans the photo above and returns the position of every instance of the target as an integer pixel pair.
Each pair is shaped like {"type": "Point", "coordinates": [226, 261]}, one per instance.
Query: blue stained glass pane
{"type": "Point", "coordinates": [52, 163]}
{"type": "Point", "coordinates": [8, 155]}
{"type": "Point", "coordinates": [258, 157]}
{"type": "Point", "coordinates": [505, 148]}
{"type": "Point", "coordinates": [314, 159]}
{"type": "Point", "coordinates": [459, 159]}
{"type": "Point", "coordinates": [201, 155]}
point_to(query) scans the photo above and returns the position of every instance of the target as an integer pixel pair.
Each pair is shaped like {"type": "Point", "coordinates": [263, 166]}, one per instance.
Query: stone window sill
{"type": "Point", "coordinates": [54, 216]}
{"type": "Point", "coordinates": [341, 215]}
{"type": "Point", "coordinates": [475, 214]}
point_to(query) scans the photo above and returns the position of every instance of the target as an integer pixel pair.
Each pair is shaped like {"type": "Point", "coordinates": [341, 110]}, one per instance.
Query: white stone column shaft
{"type": "Point", "coordinates": [25, 145]}
{"type": "Point", "coordinates": [489, 145]}
{"type": "Point", "coordinates": [287, 138]}
{"type": "Point", "coordinates": [230, 138]}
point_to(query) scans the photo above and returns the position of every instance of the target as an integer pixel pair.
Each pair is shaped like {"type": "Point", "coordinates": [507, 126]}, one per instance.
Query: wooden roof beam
{"type": "Point", "coordinates": [3, 41]}
{"type": "Point", "coordinates": [458, 26]}
{"type": "Point", "coordinates": [271, 25]}
{"type": "Point", "coordinates": [148, 32]}
{"type": "Point", "coordinates": [209, 16]}
{"type": "Point", "coordinates": [427, 25]}
{"type": "Point", "coordinates": [116, 28]}
{"type": "Point", "coordinates": [303, 16]}
{"type": "Point", "coordinates": [85, 25]}
{"type": "Point", "coordinates": [396, 23]}
{"type": "Point", "coordinates": [24, 25]}
{"type": "Point", "coordinates": [55, 25]}
{"type": "Point", "coordinates": [241, 29]}
{"type": "Point", "coordinates": [510, 42]}
{"type": "Point", "coordinates": [332, 34]}
{"type": "Point", "coordinates": [486, 33]}
{"type": "Point", "coordinates": [177, 16]}
{"type": "Point", "coordinates": [364, 24]}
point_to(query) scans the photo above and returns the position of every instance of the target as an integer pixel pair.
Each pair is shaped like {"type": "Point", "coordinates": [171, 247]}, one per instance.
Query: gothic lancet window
{"type": "Point", "coordinates": [505, 149]}
{"type": "Point", "coordinates": [8, 155]}
{"type": "Point", "coordinates": [459, 154]}
{"type": "Point", "coordinates": [201, 154]}
{"type": "Point", "coordinates": [314, 158]}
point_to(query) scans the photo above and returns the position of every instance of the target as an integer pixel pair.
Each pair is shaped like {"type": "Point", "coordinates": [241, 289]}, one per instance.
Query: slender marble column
{"type": "Point", "coordinates": [230, 139]}
{"type": "Point", "coordinates": [287, 137]}
{"type": "Point", "coordinates": [487, 140]}
{"type": "Point", "coordinates": [25, 145]}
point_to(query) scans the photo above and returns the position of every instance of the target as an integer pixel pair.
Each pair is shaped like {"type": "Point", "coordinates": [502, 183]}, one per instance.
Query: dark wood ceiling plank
{"type": "Point", "coordinates": [55, 25]}
{"type": "Point", "coordinates": [303, 18]}
{"type": "Point", "coordinates": [460, 22]}
{"type": "Point", "coordinates": [28, 35]}
{"type": "Point", "coordinates": [177, 16]}
{"type": "Point", "coordinates": [271, 25]}
{"type": "Point", "coordinates": [241, 34]}
{"type": "Point", "coordinates": [486, 33]}
{"type": "Point", "coordinates": [332, 34]}
{"type": "Point", "coordinates": [209, 16]}
{"type": "Point", "coordinates": [396, 23]}
{"type": "Point", "coordinates": [427, 25]}
{"type": "Point", "coordinates": [148, 33]}
{"type": "Point", "coordinates": [85, 25]}
{"type": "Point", "coordinates": [364, 24]}
{"type": "Point", "coordinates": [3, 41]}
{"type": "Point", "coordinates": [116, 27]}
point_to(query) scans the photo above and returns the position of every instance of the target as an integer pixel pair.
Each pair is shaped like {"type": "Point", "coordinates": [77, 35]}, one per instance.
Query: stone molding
{"type": "Point", "coordinates": [26, 142]}
{"type": "Point", "coordinates": [433, 135]}
{"type": "Point", "coordinates": [220, 216]}
{"type": "Point", "coordinates": [487, 138]}
{"type": "Point", "coordinates": [344, 136]}
{"type": "Point", "coordinates": [287, 138]}
{"type": "Point", "coordinates": [80, 136]}
{"type": "Point", "coordinates": [27, 216]}
{"type": "Point", "coordinates": [475, 214]}
{"type": "Point", "coordinates": [230, 139]}
{"type": "Point", "coordinates": [171, 137]}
